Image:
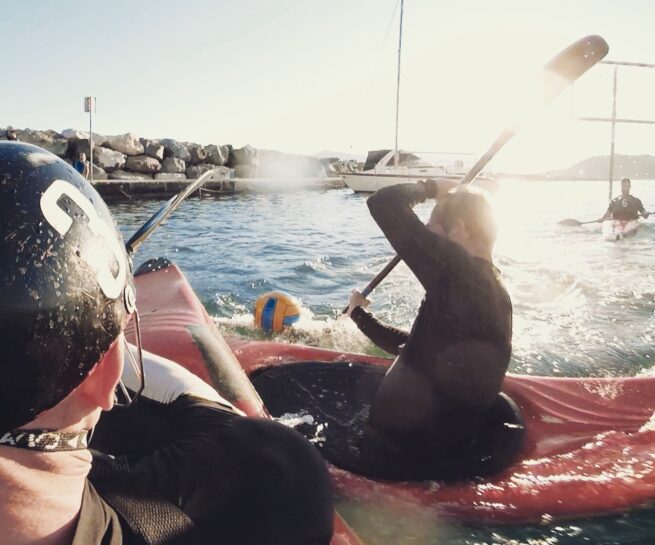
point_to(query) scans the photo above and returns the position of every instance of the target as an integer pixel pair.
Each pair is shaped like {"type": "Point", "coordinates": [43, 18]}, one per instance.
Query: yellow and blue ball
{"type": "Point", "coordinates": [276, 310]}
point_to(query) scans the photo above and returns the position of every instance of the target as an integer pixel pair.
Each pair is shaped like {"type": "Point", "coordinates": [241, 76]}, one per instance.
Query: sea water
{"type": "Point", "coordinates": [582, 306]}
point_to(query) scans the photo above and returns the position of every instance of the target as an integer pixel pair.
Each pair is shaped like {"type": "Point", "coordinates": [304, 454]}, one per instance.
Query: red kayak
{"type": "Point", "coordinates": [582, 452]}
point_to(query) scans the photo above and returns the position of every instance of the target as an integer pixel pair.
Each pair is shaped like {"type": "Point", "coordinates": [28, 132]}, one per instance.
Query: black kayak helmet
{"type": "Point", "coordinates": [66, 286]}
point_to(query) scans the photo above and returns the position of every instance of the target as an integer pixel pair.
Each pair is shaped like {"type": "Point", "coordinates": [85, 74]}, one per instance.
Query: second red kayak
{"type": "Point", "coordinates": [586, 449]}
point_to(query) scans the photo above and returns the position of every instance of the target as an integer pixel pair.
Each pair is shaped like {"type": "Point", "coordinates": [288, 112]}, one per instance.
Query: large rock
{"type": "Point", "coordinates": [125, 143]}
{"type": "Point", "coordinates": [196, 171]}
{"type": "Point", "coordinates": [274, 164]}
{"type": "Point", "coordinates": [242, 156]}
{"type": "Point", "coordinates": [217, 155]}
{"type": "Point", "coordinates": [335, 168]}
{"type": "Point", "coordinates": [98, 173]}
{"type": "Point", "coordinates": [197, 153]}
{"type": "Point", "coordinates": [142, 163]}
{"type": "Point", "coordinates": [172, 165]}
{"type": "Point", "coordinates": [173, 148]}
{"type": "Point", "coordinates": [170, 176]}
{"type": "Point", "coordinates": [74, 134]}
{"type": "Point", "coordinates": [75, 147]}
{"type": "Point", "coordinates": [124, 175]}
{"type": "Point", "coordinates": [315, 167]}
{"type": "Point", "coordinates": [108, 159]}
{"type": "Point", "coordinates": [49, 140]}
{"type": "Point", "coordinates": [153, 149]}
{"type": "Point", "coordinates": [245, 171]}
{"type": "Point", "coordinates": [222, 173]}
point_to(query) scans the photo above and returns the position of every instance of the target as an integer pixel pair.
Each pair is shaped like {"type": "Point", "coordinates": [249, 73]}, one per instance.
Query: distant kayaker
{"type": "Point", "coordinates": [625, 207]}
{"type": "Point", "coordinates": [185, 467]}
{"type": "Point", "coordinates": [449, 368]}
{"type": "Point", "coordinates": [11, 134]}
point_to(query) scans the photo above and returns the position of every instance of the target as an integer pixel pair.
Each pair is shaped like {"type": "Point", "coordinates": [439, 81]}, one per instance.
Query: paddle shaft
{"type": "Point", "coordinates": [565, 68]}
{"type": "Point", "coordinates": [468, 178]}
{"type": "Point", "coordinates": [144, 232]}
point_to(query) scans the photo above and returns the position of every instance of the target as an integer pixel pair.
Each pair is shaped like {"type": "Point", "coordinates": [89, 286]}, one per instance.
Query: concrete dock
{"type": "Point", "coordinates": [152, 189]}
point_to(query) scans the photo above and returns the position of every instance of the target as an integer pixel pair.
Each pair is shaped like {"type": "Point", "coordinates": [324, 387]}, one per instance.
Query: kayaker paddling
{"type": "Point", "coordinates": [188, 467]}
{"type": "Point", "coordinates": [625, 207]}
{"type": "Point", "coordinates": [450, 366]}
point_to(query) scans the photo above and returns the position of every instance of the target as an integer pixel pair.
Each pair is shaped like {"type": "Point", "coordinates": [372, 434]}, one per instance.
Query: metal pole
{"type": "Point", "coordinates": [611, 173]}
{"type": "Point", "coordinates": [92, 106]}
{"type": "Point", "coordinates": [636, 64]}
{"type": "Point", "coordinates": [400, 43]}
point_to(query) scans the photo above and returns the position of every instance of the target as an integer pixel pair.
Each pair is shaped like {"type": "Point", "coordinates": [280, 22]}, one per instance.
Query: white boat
{"type": "Point", "coordinates": [286, 185]}
{"type": "Point", "coordinates": [383, 169]}
{"type": "Point", "coordinates": [390, 167]}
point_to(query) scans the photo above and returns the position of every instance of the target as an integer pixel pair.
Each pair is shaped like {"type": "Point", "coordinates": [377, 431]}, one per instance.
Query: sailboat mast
{"type": "Point", "coordinates": [400, 44]}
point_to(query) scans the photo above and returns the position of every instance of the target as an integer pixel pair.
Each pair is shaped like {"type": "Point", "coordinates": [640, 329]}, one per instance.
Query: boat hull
{"type": "Point", "coordinates": [286, 185]}
{"type": "Point", "coordinates": [584, 452]}
{"type": "Point", "coordinates": [361, 182]}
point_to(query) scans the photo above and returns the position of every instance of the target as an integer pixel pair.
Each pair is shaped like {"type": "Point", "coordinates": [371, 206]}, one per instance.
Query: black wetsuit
{"type": "Point", "coordinates": [626, 208]}
{"type": "Point", "coordinates": [450, 367]}
{"type": "Point", "coordinates": [239, 480]}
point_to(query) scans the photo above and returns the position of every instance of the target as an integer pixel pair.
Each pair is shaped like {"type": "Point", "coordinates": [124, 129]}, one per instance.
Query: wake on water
{"type": "Point", "coordinates": [582, 307]}
{"type": "Point", "coordinates": [339, 334]}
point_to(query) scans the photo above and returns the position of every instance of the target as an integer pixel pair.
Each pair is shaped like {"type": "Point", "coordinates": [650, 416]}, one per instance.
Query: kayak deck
{"type": "Point", "coordinates": [613, 230]}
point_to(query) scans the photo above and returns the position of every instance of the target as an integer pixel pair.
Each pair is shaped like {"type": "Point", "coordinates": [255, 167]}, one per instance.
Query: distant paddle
{"type": "Point", "coordinates": [558, 74]}
{"type": "Point", "coordinates": [140, 236]}
{"type": "Point", "coordinates": [571, 222]}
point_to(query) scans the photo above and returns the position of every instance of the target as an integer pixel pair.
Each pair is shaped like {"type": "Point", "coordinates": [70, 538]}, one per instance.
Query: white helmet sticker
{"type": "Point", "coordinates": [60, 219]}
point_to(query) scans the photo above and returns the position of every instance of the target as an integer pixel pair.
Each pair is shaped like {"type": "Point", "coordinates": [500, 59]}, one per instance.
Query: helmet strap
{"type": "Point", "coordinates": [46, 440]}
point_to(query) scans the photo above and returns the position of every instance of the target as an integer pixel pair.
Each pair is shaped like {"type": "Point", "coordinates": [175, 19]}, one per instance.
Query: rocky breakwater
{"type": "Point", "coordinates": [128, 157]}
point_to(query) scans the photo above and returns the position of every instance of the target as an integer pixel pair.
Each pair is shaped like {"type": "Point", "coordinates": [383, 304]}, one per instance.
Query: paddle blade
{"type": "Point", "coordinates": [570, 222]}
{"type": "Point", "coordinates": [567, 66]}
{"type": "Point", "coordinates": [560, 72]}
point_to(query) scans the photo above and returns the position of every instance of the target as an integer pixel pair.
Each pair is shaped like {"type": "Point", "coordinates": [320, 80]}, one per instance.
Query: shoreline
{"type": "Point", "coordinates": [154, 189]}
{"type": "Point", "coordinates": [127, 165]}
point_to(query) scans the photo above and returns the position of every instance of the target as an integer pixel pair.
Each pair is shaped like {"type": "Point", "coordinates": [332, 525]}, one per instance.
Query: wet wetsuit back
{"type": "Point", "coordinates": [450, 367]}
{"type": "Point", "coordinates": [239, 480]}
{"type": "Point", "coordinates": [626, 208]}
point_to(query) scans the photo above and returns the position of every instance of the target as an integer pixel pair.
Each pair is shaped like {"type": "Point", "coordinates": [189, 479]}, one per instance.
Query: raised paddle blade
{"type": "Point", "coordinates": [570, 222]}
{"type": "Point", "coordinates": [559, 73]}
{"type": "Point", "coordinates": [164, 211]}
{"type": "Point", "coordinates": [572, 62]}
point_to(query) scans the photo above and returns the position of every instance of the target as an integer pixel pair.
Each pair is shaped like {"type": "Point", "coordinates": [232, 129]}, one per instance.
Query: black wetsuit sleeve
{"type": "Point", "coordinates": [424, 252]}
{"type": "Point", "coordinates": [640, 207]}
{"type": "Point", "coordinates": [387, 337]}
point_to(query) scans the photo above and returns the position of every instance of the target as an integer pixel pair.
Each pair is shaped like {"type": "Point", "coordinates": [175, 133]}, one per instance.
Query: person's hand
{"type": "Point", "coordinates": [646, 214]}
{"type": "Point", "coordinates": [356, 300]}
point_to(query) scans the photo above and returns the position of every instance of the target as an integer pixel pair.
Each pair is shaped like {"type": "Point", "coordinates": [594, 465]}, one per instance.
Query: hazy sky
{"type": "Point", "coordinates": [305, 75]}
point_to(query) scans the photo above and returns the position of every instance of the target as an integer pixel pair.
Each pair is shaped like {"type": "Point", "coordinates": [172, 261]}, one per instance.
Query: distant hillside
{"type": "Point", "coordinates": [597, 168]}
